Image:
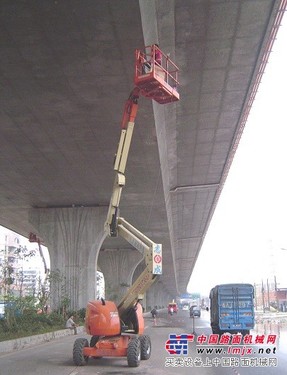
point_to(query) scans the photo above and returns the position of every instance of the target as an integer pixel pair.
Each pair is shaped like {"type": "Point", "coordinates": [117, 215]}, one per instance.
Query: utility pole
{"type": "Point", "coordinates": [268, 296]}
{"type": "Point", "coordinates": [263, 299]}
{"type": "Point", "coordinates": [255, 296]}
{"type": "Point", "coordinates": [276, 293]}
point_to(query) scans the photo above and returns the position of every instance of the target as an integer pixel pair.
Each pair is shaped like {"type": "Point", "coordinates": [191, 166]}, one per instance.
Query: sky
{"type": "Point", "coordinates": [247, 234]}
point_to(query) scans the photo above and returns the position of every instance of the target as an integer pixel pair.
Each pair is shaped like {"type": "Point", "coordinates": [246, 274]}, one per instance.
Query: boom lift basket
{"type": "Point", "coordinates": [156, 80]}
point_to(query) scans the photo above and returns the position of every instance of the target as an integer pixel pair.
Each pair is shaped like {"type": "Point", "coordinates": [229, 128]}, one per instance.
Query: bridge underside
{"type": "Point", "coordinates": [66, 70]}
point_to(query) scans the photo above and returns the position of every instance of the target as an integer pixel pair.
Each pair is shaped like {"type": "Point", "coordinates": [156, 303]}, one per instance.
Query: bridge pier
{"type": "Point", "coordinates": [74, 237]}
{"type": "Point", "coordinates": [157, 296]}
{"type": "Point", "coordinates": [118, 266]}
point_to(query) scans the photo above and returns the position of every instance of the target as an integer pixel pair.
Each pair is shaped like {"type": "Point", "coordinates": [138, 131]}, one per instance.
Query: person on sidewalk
{"type": "Point", "coordinates": [154, 314]}
{"type": "Point", "coordinates": [71, 324]}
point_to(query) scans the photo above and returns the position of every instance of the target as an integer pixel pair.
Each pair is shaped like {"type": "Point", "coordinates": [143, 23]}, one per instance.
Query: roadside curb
{"type": "Point", "coordinates": [25, 342]}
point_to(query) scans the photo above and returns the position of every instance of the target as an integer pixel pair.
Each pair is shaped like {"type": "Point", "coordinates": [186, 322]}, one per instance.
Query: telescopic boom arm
{"type": "Point", "coordinates": [120, 162]}
{"type": "Point", "coordinates": [158, 82]}
{"type": "Point", "coordinates": [116, 225]}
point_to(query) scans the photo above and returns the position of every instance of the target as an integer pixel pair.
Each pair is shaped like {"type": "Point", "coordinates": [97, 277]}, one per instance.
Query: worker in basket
{"type": "Point", "coordinates": [156, 53]}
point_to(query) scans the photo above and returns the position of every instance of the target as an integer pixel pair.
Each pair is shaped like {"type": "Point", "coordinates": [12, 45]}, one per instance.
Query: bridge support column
{"type": "Point", "coordinates": [152, 298]}
{"type": "Point", "coordinates": [157, 296]}
{"type": "Point", "coordinates": [118, 266]}
{"type": "Point", "coordinates": [74, 237]}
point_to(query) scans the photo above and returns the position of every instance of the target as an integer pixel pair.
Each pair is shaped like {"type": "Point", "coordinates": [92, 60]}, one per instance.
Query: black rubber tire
{"type": "Point", "coordinates": [94, 340]}
{"type": "Point", "coordinates": [145, 347]}
{"type": "Point", "coordinates": [134, 353]}
{"type": "Point", "coordinates": [78, 357]}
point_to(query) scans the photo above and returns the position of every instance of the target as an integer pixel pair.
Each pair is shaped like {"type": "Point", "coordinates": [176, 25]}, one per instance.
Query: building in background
{"type": "Point", "coordinates": [20, 270]}
{"type": "Point", "coordinates": [269, 297]}
{"type": "Point", "coordinates": [31, 280]}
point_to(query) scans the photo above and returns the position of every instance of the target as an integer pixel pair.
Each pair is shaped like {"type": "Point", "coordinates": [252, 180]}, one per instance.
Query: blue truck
{"type": "Point", "coordinates": [232, 308]}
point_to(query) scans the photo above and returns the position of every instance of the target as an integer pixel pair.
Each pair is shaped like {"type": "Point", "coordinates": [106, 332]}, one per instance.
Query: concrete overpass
{"type": "Point", "coordinates": [66, 70]}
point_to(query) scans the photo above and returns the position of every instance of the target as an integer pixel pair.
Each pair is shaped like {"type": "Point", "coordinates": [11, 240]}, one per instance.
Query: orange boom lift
{"type": "Point", "coordinates": [117, 330]}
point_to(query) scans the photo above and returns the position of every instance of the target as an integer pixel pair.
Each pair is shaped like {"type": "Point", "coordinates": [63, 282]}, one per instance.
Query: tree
{"type": "Point", "coordinates": [59, 292]}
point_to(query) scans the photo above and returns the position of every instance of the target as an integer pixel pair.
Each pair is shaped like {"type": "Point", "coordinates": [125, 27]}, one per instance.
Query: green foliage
{"type": "Point", "coordinates": [8, 274]}
{"type": "Point", "coordinates": [81, 314]}
{"type": "Point", "coordinates": [59, 291]}
{"type": "Point", "coordinates": [30, 323]}
{"type": "Point", "coordinates": [21, 318]}
{"type": "Point", "coordinates": [57, 319]}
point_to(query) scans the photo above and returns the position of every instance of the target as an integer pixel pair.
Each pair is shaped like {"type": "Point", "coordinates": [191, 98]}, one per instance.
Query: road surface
{"type": "Point", "coordinates": [55, 357]}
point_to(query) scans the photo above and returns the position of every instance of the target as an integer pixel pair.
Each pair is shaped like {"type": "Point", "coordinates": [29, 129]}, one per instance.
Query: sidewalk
{"type": "Point", "coordinates": [25, 342]}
